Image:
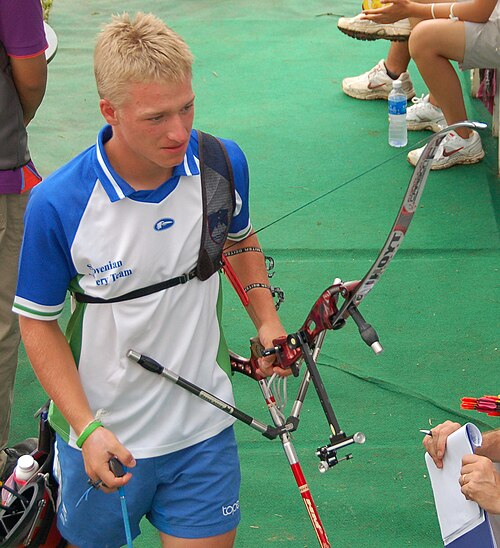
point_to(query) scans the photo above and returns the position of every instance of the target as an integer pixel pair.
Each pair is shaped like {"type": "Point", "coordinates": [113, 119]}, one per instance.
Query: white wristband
{"type": "Point", "coordinates": [453, 17]}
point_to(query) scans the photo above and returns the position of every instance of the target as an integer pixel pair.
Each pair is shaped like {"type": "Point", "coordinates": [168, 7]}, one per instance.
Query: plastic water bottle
{"type": "Point", "coordinates": [398, 135]}
{"type": "Point", "coordinates": [25, 469]}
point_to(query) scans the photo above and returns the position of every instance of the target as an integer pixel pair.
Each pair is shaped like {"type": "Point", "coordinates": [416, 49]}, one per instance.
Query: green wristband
{"type": "Point", "coordinates": [91, 426]}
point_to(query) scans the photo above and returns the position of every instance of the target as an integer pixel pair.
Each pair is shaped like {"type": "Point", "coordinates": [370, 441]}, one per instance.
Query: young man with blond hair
{"type": "Point", "coordinates": [125, 215]}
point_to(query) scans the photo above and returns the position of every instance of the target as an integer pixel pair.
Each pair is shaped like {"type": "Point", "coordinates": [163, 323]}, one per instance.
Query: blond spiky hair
{"type": "Point", "coordinates": [142, 49]}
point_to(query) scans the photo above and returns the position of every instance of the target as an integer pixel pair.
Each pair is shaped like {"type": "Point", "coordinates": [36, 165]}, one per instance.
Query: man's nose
{"type": "Point", "coordinates": [176, 130]}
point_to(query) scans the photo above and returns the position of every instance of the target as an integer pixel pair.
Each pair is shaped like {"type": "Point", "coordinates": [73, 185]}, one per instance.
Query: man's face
{"type": "Point", "coordinates": [153, 125]}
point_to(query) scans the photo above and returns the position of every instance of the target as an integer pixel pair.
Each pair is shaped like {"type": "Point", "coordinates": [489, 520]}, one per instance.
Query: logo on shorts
{"type": "Point", "coordinates": [231, 509]}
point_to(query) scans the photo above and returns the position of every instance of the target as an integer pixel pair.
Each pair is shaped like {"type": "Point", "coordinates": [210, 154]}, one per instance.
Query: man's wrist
{"type": "Point", "coordinates": [89, 429]}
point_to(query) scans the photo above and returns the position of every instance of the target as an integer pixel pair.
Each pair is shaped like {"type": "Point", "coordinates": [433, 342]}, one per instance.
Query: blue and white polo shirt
{"type": "Point", "coordinates": [87, 230]}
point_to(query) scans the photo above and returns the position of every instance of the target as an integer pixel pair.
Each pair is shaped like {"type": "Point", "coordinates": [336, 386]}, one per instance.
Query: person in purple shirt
{"type": "Point", "coordinates": [23, 77]}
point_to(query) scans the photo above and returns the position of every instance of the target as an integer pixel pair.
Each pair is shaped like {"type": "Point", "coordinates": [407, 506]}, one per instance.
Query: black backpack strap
{"type": "Point", "coordinates": [83, 298]}
{"type": "Point", "coordinates": [217, 183]}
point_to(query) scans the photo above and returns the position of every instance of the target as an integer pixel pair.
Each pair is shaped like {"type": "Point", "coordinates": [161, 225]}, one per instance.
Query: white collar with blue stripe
{"type": "Point", "coordinates": [117, 188]}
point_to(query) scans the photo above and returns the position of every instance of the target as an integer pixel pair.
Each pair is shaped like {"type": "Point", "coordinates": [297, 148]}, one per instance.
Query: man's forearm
{"type": "Point", "coordinates": [30, 102]}
{"type": "Point", "coordinates": [54, 365]}
{"type": "Point", "coordinates": [30, 79]}
{"type": "Point", "coordinates": [250, 268]}
{"type": "Point", "coordinates": [491, 445]}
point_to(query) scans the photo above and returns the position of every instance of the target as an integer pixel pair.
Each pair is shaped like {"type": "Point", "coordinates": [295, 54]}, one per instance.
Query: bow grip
{"type": "Point", "coordinates": [286, 355]}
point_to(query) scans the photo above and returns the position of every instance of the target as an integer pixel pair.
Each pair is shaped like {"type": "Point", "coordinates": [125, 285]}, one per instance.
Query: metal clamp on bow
{"type": "Point", "coordinates": [328, 453]}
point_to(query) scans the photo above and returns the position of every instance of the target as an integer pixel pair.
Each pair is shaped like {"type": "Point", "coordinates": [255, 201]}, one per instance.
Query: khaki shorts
{"type": "Point", "coordinates": [482, 43]}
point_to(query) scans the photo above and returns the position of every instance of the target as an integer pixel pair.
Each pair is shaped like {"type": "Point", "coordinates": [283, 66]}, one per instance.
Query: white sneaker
{"type": "Point", "coordinates": [424, 115]}
{"type": "Point", "coordinates": [375, 84]}
{"type": "Point", "coordinates": [364, 29]}
{"type": "Point", "coordinates": [453, 150]}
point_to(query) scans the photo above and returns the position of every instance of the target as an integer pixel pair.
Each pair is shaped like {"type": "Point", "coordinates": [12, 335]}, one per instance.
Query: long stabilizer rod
{"type": "Point", "coordinates": [153, 366]}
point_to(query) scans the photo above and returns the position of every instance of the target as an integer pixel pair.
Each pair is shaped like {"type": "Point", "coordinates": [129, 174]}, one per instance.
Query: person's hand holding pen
{"type": "Point", "coordinates": [435, 441]}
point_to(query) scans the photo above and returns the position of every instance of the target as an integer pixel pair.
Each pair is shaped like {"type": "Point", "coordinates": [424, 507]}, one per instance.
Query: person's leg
{"type": "Point", "coordinates": [220, 541]}
{"type": "Point", "coordinates": [432, 44]}
{"type": "Point", "coordinates": [12, 208]}
{"type": "Point", "coordinates": [398, 58]}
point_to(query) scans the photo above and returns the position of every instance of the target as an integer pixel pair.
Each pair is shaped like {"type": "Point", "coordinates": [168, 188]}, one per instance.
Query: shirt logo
{"type": "Point", "coordinates": [163, 224]}
{"type": "Point", "coordinates": [103, 275]}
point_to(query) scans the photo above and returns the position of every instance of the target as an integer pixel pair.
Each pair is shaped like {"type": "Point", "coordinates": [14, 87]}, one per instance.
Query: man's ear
{"type": "Point", "coordinates": [108, 111]}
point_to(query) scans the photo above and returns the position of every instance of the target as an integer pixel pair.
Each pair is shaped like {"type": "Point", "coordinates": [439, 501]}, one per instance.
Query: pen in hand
{"type": "Point", "coordinates": [426, 432]}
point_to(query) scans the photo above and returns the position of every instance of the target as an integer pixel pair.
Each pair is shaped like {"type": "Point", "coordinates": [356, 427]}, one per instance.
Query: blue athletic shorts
{"type": "Point", "coordinates": [192, 493]}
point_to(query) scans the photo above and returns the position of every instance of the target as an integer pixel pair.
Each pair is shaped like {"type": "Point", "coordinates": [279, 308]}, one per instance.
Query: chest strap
{"type": "Point", "coordinates": [83, 298]}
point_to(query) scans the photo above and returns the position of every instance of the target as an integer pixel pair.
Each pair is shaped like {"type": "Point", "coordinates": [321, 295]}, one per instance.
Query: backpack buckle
{"type": "Point", "coordinates": [186, 277]}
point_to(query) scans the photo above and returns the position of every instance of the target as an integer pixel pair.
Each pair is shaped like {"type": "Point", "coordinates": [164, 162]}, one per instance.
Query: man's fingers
{"type": "Point", "coordinates": [112, 482]}
{"type": "Point", "coordinates": [440, 435]}
{"type": "Point", "coordinates": [440, 444]}
{"type": "Point", "coordinates": [125, 457]}
{"type": "Point", "coordinates": [268, 367]}
{"type": "Point", "coordinates": [471, 459]}
{"type": "Point", "coordinates": [98, 450]}
{"type": "Point", "coordinates": [435, 444]}
{"type": "Point", "coordinates": [108, 482]}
